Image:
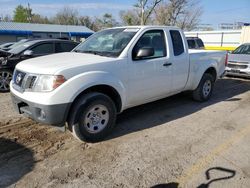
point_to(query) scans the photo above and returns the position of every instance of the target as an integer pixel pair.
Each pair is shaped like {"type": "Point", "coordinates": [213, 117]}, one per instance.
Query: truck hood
{"type": "Point", "coordinates": [55, 63]}
{"type": "Point", "coordinates": [239, 58]}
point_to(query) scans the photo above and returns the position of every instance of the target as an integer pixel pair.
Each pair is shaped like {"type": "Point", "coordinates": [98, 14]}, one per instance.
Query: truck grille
{"type": "Point", "coordinates": [18, 78]}
{"type": "Point", "coordinates": [237, 66]}
{"type": "Point", "coordinates": [29, 82]}
{"type": "Point", "coordinates": [23, 81]}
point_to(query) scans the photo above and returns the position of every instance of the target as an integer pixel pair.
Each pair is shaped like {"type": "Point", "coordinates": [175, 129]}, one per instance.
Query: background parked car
{"type": "Point", "coordinates": [30, 49]}
{"type": "Point", "coordinates": [239, 61]}
{"type": "Point", "coordinates": [195, 43]}
{"type": "Point", "coordinates": [6, 45]}
{"type": "Point", "coordinates": [15, 44]}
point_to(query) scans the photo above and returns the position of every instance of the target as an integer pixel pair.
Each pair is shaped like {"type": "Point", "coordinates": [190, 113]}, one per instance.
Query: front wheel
{"type": "Point", "coordinates": [5, 78]}
{"type": "Point", "coordinates": [92, 117]}
{"type": "Point", "coordinates": [205, 88]}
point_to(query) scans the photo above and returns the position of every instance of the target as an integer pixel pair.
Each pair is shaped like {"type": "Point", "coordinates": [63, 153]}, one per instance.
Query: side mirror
{"type": "Point", "coordinates": [145, 52]}
{"type": "Point", "coordinates": [28, 53]}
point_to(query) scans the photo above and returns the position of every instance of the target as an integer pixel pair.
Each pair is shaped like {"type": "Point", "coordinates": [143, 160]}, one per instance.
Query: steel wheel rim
{"type": "Point", "coordinates": [5, 78]}
{"type": "Point", "coordinates": [96, 119]}
{"type": "Point", "coordinates": [207, 87]}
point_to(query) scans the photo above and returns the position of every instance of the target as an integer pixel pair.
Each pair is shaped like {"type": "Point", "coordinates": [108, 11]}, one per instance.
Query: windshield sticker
{"type": "Point", "coordinates": [131, 30]}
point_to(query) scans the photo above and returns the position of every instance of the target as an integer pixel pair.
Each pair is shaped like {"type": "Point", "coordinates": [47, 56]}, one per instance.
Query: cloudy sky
{"type": "Point", "coordinates": [214, 11]}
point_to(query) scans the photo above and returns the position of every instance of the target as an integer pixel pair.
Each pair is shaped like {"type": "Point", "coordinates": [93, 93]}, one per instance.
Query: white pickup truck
{"type": "Point", "coordinates": [115, 69]}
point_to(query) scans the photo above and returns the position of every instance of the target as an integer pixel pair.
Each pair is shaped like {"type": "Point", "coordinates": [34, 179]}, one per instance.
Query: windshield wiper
{"type": "Point", "coordinates": [93, 52]}
{"type": "Point", "coordinates": [106, 54]}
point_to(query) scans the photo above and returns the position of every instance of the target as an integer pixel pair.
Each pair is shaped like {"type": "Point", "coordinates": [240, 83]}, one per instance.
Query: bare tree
{"type": "Point", "coordinates": [37, 18]}
{"type": "Point", "coordinates": [130, 17]}
{"type": "Point", "coordinates": [182, 13]}
{"type": "Point", "coordinates": [106, 21]}
{"type": "Point", "coordinates": [6, 18]}
{"type": "Point", "coordinates": [190, 19]}
{"type": "Point", "coordinates": [146, 8]}
{"type": "Point", "coordinates": [66, 16]}
{"type": "Point", "coordinates": [88, 22]}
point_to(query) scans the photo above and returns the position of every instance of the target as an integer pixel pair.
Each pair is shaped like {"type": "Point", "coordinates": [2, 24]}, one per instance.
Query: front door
{"type": "Point", "coordinates": [150, 77]}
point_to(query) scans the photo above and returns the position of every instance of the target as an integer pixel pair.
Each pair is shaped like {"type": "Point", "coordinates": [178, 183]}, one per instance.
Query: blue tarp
{"type": "Point", "coordinates": [81, 34]}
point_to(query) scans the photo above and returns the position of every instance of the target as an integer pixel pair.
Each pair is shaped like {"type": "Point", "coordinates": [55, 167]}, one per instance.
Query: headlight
{"type": "Point", "coordinates": [46, 83]}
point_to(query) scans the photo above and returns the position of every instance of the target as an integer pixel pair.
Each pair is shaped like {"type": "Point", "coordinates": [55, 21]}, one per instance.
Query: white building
{"type": "Point", "coordinates": [223, 39]}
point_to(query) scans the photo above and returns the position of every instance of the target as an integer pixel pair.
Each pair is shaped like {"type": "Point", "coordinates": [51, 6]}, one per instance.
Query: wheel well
{"type": "Point", "coordinates": [107, 90]}
{"type": "Point", "coordinates": [212, 72]}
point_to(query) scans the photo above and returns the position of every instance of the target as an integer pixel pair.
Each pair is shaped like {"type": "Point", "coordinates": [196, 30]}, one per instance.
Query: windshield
{"type": "Point", "coordinates": [110, 42]}
{"type": "Point", "coordinates": [243, 49]}
{"type": "Point", "coordinates": [18, 49]}
{"type": "Point", "coordinates": [18, 43]}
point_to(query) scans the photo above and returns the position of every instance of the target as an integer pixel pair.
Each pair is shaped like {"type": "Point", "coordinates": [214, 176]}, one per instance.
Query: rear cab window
{"type": "Point", "coordinates": [177, 42]}
{"type": "Point", "coordinates": [191, 44]}
{"type": "Point", "coordinates": [200, 43]}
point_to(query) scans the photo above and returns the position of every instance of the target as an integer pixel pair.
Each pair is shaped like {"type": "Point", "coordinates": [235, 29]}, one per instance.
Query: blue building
{"type": "Point", "coordinates": [13, 32]}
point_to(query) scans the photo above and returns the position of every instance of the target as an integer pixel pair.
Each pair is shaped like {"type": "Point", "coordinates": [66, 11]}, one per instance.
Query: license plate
{"type": "Point", "coordinates": [235, 71]}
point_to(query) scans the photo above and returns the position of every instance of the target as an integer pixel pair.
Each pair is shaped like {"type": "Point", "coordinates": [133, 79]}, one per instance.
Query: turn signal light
{"type": "Point", "coordinates": [59, 80]}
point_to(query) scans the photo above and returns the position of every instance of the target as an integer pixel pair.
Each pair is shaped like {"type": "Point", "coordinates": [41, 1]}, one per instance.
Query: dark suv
{"type": "Point", "coordinates": [195, 43]}
{"type": "Point", "coordinates": [30, 49]}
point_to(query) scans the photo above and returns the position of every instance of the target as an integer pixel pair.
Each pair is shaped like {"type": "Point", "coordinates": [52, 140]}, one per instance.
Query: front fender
{"type": "Point", "coordinates": [77, 84]}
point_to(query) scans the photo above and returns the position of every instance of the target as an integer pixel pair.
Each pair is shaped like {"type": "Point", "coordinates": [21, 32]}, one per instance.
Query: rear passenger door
{"type": "Point", "coordinates": [179, 59]}
{"type": "Point", "coordinates": [64, 46]}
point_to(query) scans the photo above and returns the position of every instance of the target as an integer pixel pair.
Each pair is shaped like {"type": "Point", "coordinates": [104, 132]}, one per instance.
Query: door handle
{"type": "Point", "coordinates": [167, 64]}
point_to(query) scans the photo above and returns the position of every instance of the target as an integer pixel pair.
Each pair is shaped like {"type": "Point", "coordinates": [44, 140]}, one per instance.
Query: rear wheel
{"type": "Point", "coordinates": [5, 78]}
{"type": "Point", "coordinates": [205, 88]}
{"type": "Point", "coordinates": [92, 117]}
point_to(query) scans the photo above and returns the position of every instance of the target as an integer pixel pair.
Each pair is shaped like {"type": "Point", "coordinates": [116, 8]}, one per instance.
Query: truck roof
{"type": "Point", "coordinates": [148, 26]}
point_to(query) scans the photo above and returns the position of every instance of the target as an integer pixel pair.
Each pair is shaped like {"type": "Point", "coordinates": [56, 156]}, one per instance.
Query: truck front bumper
{"type": "Point", "coordinates": [47, 114]}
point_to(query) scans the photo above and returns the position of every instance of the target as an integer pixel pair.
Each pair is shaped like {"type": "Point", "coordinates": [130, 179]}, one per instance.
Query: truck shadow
{"type": "Point", "coordinates": [178, 106]}
{"type": "Point", "coordinates": [15, 162]}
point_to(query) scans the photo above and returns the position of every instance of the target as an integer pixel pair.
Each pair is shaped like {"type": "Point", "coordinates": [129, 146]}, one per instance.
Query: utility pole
{"type": "Point", "coordinates": [29, 13]}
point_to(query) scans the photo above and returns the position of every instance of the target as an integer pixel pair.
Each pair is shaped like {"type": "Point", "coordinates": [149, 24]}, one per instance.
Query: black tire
{"type": "Point", "coordinates": [5, 78]}
{"type": "Point", "coordinates": [199, 94]}
{"type": "Point", "coordinates": [84, 110]}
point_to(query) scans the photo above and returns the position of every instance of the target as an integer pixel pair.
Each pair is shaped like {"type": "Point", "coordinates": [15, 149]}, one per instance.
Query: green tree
{"type": "Point", "coordinates": [21, 14]}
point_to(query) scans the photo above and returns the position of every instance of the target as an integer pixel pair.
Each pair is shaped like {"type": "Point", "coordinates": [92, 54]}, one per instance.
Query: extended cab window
{"type": "Point", "coordinates": [177, 42]}
{"type": "Point", "coordinates": [151, 39]}
{"type": "Point", "coordinates": [45, 48]}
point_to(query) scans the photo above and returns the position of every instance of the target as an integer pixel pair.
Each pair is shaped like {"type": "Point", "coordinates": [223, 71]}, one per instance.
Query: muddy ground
{"type": "Point", "coordinates": [171, 143]}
